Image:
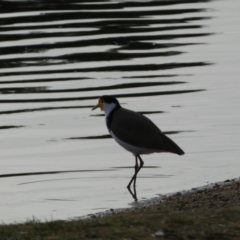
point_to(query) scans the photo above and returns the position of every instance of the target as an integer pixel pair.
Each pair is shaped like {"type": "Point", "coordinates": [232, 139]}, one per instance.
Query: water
{"type": "Point", "coordinates": [176, 62]}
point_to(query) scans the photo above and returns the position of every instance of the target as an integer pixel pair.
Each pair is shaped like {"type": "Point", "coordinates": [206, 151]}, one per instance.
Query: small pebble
{"type": "Point", "coordinates": [159, 233]}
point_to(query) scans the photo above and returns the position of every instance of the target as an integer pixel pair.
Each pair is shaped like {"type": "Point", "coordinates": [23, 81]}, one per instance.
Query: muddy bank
{"type": "Point", "coordinates": [212, 196]}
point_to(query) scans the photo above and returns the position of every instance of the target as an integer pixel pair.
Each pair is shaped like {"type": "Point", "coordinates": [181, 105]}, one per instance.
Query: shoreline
{"type": "Point", "coordinates": [210, 212]}
{"type": "Point", "coordinates": [147, 203]}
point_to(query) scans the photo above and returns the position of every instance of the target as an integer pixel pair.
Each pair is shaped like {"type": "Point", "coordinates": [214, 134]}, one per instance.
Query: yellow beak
{"type": "Point", "coordinates": [99, 105]}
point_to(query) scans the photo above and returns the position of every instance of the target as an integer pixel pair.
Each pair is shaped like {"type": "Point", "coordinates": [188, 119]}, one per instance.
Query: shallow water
{"type": "Point", "coordinates": [178, 63]}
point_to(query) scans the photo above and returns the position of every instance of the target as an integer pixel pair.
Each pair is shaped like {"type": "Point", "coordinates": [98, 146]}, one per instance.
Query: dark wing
{"type": "Point", "coordinates": [140, 131]}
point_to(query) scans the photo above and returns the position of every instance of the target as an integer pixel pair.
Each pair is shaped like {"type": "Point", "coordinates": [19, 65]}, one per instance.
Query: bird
{"type": "Point", "coordinates": [136, 133]}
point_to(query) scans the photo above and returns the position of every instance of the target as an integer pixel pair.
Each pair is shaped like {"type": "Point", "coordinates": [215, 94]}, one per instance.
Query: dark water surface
{"type": "Point", "coordinates": [177, 62]}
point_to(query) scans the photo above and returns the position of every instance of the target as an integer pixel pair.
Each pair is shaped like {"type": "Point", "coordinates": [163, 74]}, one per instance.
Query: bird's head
{"type": "Point", "coordinates": [107, 103]}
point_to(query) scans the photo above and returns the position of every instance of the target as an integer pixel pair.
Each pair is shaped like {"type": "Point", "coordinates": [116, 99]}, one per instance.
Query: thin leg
{"type": "Point", "coordinates": [136, 170]}
{"type": "Point", "coordinates": [141, 162]}
{"type": "Point", "coordinates": [141, 165]}
{"type": "Point", "coordinates": [134, 178]}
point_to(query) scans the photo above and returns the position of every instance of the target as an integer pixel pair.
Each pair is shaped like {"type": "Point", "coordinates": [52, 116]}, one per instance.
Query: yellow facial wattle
{"type": "Point", "coordinates": [99, 105]}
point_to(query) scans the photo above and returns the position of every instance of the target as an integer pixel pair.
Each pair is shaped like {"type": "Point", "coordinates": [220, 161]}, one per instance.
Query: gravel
{"type": "Point", "coordinates": [217, 195]}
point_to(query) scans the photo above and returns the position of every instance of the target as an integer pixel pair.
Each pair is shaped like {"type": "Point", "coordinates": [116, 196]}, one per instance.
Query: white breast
{"type": "Point", "coordinates": [134, 150]}
{"type": "Point", "coordinates": [108, 108]}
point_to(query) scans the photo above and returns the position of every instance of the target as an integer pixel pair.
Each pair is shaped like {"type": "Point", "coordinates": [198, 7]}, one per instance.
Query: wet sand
{"type": "Point", "coordinates": [212, 196]}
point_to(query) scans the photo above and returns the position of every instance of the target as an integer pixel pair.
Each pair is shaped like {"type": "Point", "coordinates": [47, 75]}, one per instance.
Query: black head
{"type": "Point", "coordinates": [105, 102]}
{"type": "Point", "coordinates": [109, 99]}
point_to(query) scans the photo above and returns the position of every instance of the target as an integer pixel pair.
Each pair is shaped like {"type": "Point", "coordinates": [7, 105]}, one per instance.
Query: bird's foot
{"type": "Point", "coordinates": [134, 195]}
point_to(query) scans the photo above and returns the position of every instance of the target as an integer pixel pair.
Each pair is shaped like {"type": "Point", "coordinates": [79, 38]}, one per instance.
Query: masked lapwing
{"type": "Point", "coordinates": [134, 132]}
